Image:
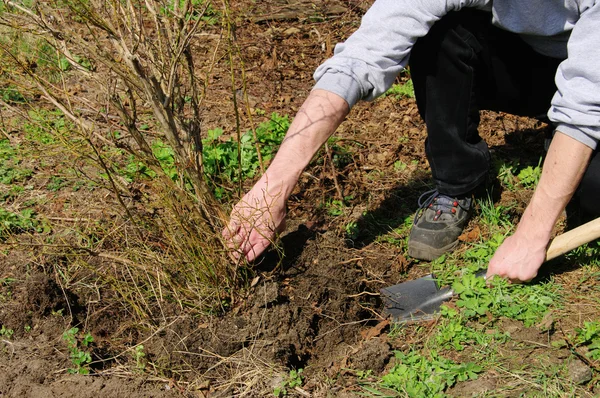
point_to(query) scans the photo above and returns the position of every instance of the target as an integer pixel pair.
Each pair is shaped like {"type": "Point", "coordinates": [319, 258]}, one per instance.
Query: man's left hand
{"type": "Point", "coordinates": [518, 259]}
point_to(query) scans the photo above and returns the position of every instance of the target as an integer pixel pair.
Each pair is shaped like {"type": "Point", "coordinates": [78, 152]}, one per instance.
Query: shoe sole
{"type": "Point", "coordinates": [421, 251]}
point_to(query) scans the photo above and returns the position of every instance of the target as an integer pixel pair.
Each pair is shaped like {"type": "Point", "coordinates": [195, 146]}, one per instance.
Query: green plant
{"type": "Point", "coordinates": [480, 254]}
{"type": "Point", "coordinates": [402, 90]}
{"type": "Point", "coordinates": [352, 230]}
{"type": "Point", "coordinates": [227, 161]}
{"type": "Point", "coordinates": [5, 332]}
{"type": "Point", "coordinates": [293, 380]}
{"type": "Point", "coordinates": [527, 303]}
{"type": "Point", "coordinates": [474, 297]}
{"type": "Point", "coordinates": [416, 375]}
{"type": "Point", "coordinates": [198, 9]}
{"type": "Point", "coordinates": [530, 176]}
{"type": "Point", "coordinates": [492, 215]}
{"type": "Point", "coordinates": [24, 221]}
{"type": "Point", "coordinates": [10, 170]}
{"type": "Point", "coordinates": [335, 207]}
{"type": "Point", "coordinates": [506, 175]}
{"type": "Point", "coordinates": [453, 332]}
{"type": "Point", "coordinates": [46, 127]}
{"type": "Point", "coordinates": [55, 183]}
{"type": "Point", "coordinates": [78, 351]}
{"type": "Point", "coordinates": [400, 165]}
{"type": "Point", "coordinates": [589, 336]}
{"type": "Point", "coordinates": [12, 95]}
{"type": "Point", "coordinates": [139, 357]}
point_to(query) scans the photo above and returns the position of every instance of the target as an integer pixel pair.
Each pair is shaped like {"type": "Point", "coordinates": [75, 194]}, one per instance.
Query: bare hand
{"type": "Point", "coordinates": [518, 259]}
{"type": "Point", "coordinates": [256, 220]}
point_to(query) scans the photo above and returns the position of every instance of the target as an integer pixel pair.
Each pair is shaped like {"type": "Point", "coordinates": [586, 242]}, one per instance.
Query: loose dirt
{"type": "Point", "coordinates": [316, 308]}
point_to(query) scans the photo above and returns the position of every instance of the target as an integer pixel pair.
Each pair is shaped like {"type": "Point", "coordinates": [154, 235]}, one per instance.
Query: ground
{"type": "Point", "coordinates": [317, 307]}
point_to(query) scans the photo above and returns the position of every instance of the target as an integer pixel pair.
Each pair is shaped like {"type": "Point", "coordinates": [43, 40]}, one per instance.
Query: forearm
{"type": "Point", "coordinates": [520, 256]}
{"type": "Point", "coordinates": [317, 119]}
{"type": "Point", "coordinates": [563, 169]}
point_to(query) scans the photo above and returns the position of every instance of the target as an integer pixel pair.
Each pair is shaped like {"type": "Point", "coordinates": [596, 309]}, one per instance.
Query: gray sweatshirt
{"type": "Point", "coordinates": [367, 63]}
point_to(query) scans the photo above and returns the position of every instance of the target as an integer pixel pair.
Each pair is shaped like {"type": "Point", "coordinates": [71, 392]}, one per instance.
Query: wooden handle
{"type": "Point", "coordinates": [574, 238]}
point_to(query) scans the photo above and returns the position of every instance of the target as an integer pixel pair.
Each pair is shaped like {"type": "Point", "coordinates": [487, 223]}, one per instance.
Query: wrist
{"type": "Point", "coordinates": [279, 182]}
{"type": "Point", "coordinates": [535, 235]}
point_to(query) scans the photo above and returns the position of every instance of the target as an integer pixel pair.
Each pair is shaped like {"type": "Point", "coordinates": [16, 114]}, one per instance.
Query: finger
{"type": "Point", "coordinates": [257, 249]}
{"type": "Point", "coordinates": [257, 242]}
{"type": "Point", "coordinates": [232, 228]}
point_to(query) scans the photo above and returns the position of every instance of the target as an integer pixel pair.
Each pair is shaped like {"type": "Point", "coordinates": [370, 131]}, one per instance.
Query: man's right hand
{"type": "Point", "coordinates": [260, 215]}
{"type": "Point", "coordinates": [255, 221]}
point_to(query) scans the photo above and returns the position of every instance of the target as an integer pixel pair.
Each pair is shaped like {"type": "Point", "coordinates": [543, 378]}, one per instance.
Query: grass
{"type": "Point", "coordinates": [148, 257]}
{"type": "Point", "coordinates": [11, 170]}
{"type": "Point", "coordinates": [469, 330]}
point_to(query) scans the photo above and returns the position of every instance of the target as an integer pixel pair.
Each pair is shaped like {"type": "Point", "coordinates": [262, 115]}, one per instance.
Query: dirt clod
{"type": "Point", "coordinates": [372, 355]}
{"type": "Point", "coordinates": [578, 372]}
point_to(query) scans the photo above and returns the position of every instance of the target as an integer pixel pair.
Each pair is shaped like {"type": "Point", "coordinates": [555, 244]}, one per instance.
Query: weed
{"type": "Point", "coordinates": [454, 333]}
{"type": "Point", "coordinates": [494, 216]}
{"type": "Point", "coordinates": [5, 332]}
{"type": "Point", "coordinates": [530, 176]}
{"type": "Point", "coordinates": [340, 155]}
{"type": "Point", "coordinates": [480, 254]}
{"type": "Point", "coordinates": [506, 174]}
{"type": "Point", "coordinates": [10, 171]}
{"type": "Point", "coordinates": [352, 230]}
{"type": "Point", "coordinates": [293, 380]}
{"type": "Point", "coordinates": [78, 351]}
{"type": "Point", "coordinates": [45, 126]}
{"type": "Point", "coordinates": [406, 89]}
{"type": "Point", "coordinates": [139, 357]}
{"type": "Point", "coordinates": [55, 183]}
{"type": "Point", "coordinates": [400, 165]}
{"type": "Point", "coordinates": [417, 375]}
{"type": "Point", "coordinates": [335, 207]}
{"type": "Point", "coordinates": [474, 297]}
{"type": "Point", "coordinates": [57, 313]}
{"type": "Point", "coordinates": [12, 95]}
{"type": "Point", "coordinates": [19, 222]}
{"type": "Point", "coordinates": [227, 161]}
{"type": "Point", "coordinates": [199, 9]}
{"type": "Point", "coordinates": [589, 336]}
{"type": "Point", "coordinates": [166, 158]}
{"type": "Point", "coordinates": [526, 303]}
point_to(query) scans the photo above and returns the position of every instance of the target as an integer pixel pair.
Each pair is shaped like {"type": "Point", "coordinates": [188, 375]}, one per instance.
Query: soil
{"type": "Point", "coordinates": [315, 309]}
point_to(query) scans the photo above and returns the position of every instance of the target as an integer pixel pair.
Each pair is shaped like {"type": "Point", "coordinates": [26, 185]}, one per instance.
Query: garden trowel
{"type": "Point", "coordinates": [420, 299]}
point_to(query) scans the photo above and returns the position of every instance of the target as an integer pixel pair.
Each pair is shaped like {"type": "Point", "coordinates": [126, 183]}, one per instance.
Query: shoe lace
{"type": "Point", "coordinates": [440, 203]}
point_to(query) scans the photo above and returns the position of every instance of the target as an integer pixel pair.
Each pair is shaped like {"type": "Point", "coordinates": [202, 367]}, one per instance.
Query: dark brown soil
{"type": "Point", "coordinates": [315, 309]}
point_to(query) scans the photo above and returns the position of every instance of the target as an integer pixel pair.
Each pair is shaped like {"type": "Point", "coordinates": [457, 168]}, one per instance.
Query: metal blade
{"type": "Point", "coordinates": [415, 300]}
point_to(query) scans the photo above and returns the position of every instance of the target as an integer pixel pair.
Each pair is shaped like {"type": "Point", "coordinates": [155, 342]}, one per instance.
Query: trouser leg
{"type": "Point", "coordinates": [588, 194]}
{"type": "Point", "coordinates": [462, 66]}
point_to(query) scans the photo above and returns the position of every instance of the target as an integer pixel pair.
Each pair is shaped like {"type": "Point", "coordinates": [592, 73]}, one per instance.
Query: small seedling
{"type": "Point", "coordinates": [294, 379]}
{"type": "Point", "coordinates": [400, 165]}
{"type": "Point", "coordinates": [405, 90]}
{"type": "Point", "coordinates": [415, 375]}
{"type": "Point", "coordinates": [352, 230]}
{"type": "Point", "coordinates": [530, 176]}
{"type": "Point", "coordinates": [6, 332]}
{"type": "Point", "coordinates": [80, 356]}
{"type": "Point", "coordinates": [589, 336]}
{"type": "Point", "coordinates": [139, 356]}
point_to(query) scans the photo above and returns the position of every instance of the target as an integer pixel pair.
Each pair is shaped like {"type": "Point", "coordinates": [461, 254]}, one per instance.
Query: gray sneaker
{"type": "Point", "coordinates": [438, 224]}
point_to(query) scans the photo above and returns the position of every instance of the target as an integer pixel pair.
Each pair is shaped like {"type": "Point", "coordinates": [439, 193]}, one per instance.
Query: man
{"type": "Point", "coordinates": [526, 57]}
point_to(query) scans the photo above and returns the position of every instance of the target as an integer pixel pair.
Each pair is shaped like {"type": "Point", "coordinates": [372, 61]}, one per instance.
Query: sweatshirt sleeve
{"type": "Point", "coordinates": [576, 104]}
{"type": "Point", "coordinates": [365, 65]}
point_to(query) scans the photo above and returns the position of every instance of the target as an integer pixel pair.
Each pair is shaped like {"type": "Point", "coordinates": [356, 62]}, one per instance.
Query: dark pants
{"type": "Point", "coordinates": [464, 65]}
